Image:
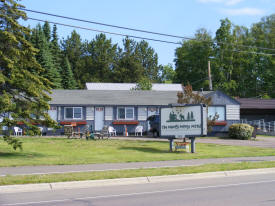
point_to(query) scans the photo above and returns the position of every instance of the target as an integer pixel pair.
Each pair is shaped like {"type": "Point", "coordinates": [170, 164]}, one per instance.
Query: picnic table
{"type": "Point", "coordinates": [69, 132]}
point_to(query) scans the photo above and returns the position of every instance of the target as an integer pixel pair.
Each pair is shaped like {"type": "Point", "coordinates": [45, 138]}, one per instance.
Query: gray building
{"type": "Point", "coordinates": [129, 108]}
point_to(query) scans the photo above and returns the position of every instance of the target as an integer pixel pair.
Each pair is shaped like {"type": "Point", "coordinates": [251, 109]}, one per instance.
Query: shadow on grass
{"type": "Point", "coordinates": [19, 154]}
{"type": "Point", "coordinates": [145, 149]}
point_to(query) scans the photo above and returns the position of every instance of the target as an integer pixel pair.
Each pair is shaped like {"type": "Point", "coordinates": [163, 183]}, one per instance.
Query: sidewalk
{"type": "Point", "coordinates": [54, 169]}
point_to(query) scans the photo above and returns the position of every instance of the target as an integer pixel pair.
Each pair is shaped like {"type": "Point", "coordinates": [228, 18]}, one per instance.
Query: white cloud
{"type": "Point", "coordinates": [226, 2]}
{"type": "Point", "coordinates": [243, 11]}
{"type": "Point", "coordinates": [232, 2]}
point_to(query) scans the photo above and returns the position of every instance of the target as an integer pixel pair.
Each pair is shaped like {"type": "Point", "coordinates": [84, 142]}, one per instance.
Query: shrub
{"type": "Point", "coordinates": [240, 131]}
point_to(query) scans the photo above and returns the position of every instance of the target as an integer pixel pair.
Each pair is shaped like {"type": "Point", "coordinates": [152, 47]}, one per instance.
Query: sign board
{"type": "Point", "coordinates": [180, 121]}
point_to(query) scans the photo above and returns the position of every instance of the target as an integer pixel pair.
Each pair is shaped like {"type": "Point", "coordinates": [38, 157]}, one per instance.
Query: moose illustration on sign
{"type": "Point", "coordinates": [174, 118]}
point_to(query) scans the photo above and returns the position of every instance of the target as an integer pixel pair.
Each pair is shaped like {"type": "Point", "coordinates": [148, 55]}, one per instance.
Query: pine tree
{"type": "Point", "coordinates": [23, 91]}
{"type": "Point", "coordinates": [55, 49]}
{"type": "Point", "coordinates": [47, 31]}
{"type": "Point", "coordinates": [45, 55]}
{"type": "Point", "coordinates": [68, 81]}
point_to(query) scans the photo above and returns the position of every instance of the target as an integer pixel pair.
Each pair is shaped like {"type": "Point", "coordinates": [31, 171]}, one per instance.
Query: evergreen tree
{"type": "Point", "coordinates": [47, 31]}
{"type": "Point", "coordinates": [68, 81]}
{"type": "Point", "coordinates": [55, 49]}
{"type": "Point", "coordinates": [22, 90]}
{"type": "Point", "coordinates": [100, 60]}
{"type": "Point", "coordinates": [129, 67]}
{"type": "Point", "coordinates": [45, 55]}
{"type": "Point", "coordinates": [73, 49]}
{"type": "Point", "coordinates": [148, 59]}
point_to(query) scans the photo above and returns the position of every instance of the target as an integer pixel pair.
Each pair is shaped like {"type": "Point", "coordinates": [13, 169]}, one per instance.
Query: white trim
{"type": "Point", "coordinates": [73, 113]}
{"type": "Point", "coordinates": [125, 113]}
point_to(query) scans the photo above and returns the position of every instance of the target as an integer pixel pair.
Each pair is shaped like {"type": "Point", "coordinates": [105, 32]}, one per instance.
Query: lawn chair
{"type": "Point", "coordinates": [68, 130]}
{"type": "Point", "coordinates": [41, 130]}
{"type": "Point", "coordinates": [103, 133]}
{"type": "Point", "coordinates": [111, 131]}
{"type": "Point", "coordinates": [139, 129]}
{"type": "Point", "coordinates": [18, 131]}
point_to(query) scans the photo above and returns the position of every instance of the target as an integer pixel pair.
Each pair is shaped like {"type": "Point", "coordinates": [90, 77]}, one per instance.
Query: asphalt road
{"type": "Point", "coordinates": [242, 190]}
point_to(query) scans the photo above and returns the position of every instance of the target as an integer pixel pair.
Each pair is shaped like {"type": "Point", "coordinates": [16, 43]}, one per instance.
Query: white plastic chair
{"type": "Point", "coordinates": [139, 129]}
{"type": "Point", "coordinates": [41, 130]}
{"type": "Point", "coordinates": [18, 131]}
{"type": "Point", "coordinates": [111, 131]}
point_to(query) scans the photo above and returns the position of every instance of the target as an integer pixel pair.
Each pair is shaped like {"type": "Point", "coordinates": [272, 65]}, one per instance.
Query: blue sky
{"type": "Point", "coordinates": [178, 17]}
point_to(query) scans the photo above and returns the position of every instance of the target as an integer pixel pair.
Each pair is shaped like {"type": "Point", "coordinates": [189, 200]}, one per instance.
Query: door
{"type": "Point", "coordinates": [99, 118]}
{"type": "Point", "coordinates": [152, 111]}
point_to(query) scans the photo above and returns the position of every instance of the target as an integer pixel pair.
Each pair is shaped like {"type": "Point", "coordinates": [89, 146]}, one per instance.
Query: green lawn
{"type": "Point", "coordinates": [54, 151]}
{"type": "Point", "coordinates": [10, 180]}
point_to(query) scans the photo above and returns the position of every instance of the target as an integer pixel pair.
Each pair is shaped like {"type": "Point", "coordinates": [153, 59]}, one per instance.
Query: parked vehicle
{"type": "Point", "coordinates": [154, 122]}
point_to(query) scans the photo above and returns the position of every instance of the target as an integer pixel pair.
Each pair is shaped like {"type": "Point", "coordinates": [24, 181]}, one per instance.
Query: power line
{"type": "Point", "coordinates": [132, 36]}
{"type": "Point", "coordinates": [138, 30]}
{"type": "Point", "coordinates": [107, 32]}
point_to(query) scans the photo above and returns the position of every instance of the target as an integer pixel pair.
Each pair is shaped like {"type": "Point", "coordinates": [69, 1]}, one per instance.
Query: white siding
{"type": "Point", "coordinates": [233, 112]}
{"type": "Point", "coordinates": [108, 113]}
{"type": "Point", "coordinates": [90, 115]}
{"type": "Point", "coordinates": [142, 113]}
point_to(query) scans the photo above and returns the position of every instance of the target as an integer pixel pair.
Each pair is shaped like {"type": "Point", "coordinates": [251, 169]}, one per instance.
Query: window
{"type": "Point", "coordinates": [126, 113]}
{"type": "Point", "coordinates": [220, 110]}
{"type": "Point", "coordinates": [73, 112]}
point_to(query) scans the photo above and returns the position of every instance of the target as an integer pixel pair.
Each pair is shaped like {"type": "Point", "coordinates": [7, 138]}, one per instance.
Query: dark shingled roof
{"type": "Point", "coordinates": [253, 103]}
{"type": "Point", "coordinates": [103, 97]}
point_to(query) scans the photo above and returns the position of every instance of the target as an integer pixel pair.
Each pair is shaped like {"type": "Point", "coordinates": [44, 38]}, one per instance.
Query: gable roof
{"type": "Point", "coordinates": [118, 97]}
{"type": "Point", "coordinates": [218, 97]}
{"type": "Point", "coordinates": [254, 103]}
{"type": "Point", "coordinates": [131, 86]}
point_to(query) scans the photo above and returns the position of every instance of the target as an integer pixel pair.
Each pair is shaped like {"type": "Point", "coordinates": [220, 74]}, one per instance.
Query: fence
{"type": "Point", "coordinates": [263, 126]}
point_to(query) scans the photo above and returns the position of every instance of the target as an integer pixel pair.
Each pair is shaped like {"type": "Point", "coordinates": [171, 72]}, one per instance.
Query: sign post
{"type": "Point", "coordinates": [178, 121]}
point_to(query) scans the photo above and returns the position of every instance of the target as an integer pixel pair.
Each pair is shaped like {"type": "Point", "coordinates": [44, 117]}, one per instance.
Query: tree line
{"type": "Point", "coordinates": [239, 65]}
{"type": "Point", "coordinates": [70, 63]}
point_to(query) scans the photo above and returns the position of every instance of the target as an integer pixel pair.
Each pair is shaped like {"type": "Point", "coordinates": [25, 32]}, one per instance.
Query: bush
{"type": "Point", "coordinates": [240, 131]}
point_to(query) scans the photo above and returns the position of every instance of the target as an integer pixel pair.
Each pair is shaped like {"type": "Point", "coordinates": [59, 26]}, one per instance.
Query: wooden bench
{"type": "Point", "coordinates": [182, 145]}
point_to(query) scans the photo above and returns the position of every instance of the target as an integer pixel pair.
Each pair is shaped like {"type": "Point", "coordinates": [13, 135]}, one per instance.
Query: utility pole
{"type": "Point", "coordinates": [209, 76]}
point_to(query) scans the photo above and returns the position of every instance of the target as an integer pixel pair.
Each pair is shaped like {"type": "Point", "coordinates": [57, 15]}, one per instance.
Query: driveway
{"type": "Point", "coordinates": [265, 142]}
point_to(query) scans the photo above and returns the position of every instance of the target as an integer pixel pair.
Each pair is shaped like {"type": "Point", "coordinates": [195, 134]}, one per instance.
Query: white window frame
{"type": "Point", "coordinates": [73, 112]}
{"type": "Point", "coordinates": [224, 111]}
{"type": "Point", "coordinates": [125, 108]}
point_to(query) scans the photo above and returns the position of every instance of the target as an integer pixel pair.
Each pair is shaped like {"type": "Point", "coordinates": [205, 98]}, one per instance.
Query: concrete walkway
{"type": "Point", "coordinates": [55, 169]}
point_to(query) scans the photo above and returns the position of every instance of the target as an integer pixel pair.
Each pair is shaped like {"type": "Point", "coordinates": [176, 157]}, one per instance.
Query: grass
{"type": "Point", "coordinates": [56, 151]}
{"type": "Point", "coordinates": [10, 180]}
{"type": "Point", "coordinates": [263, 135]}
